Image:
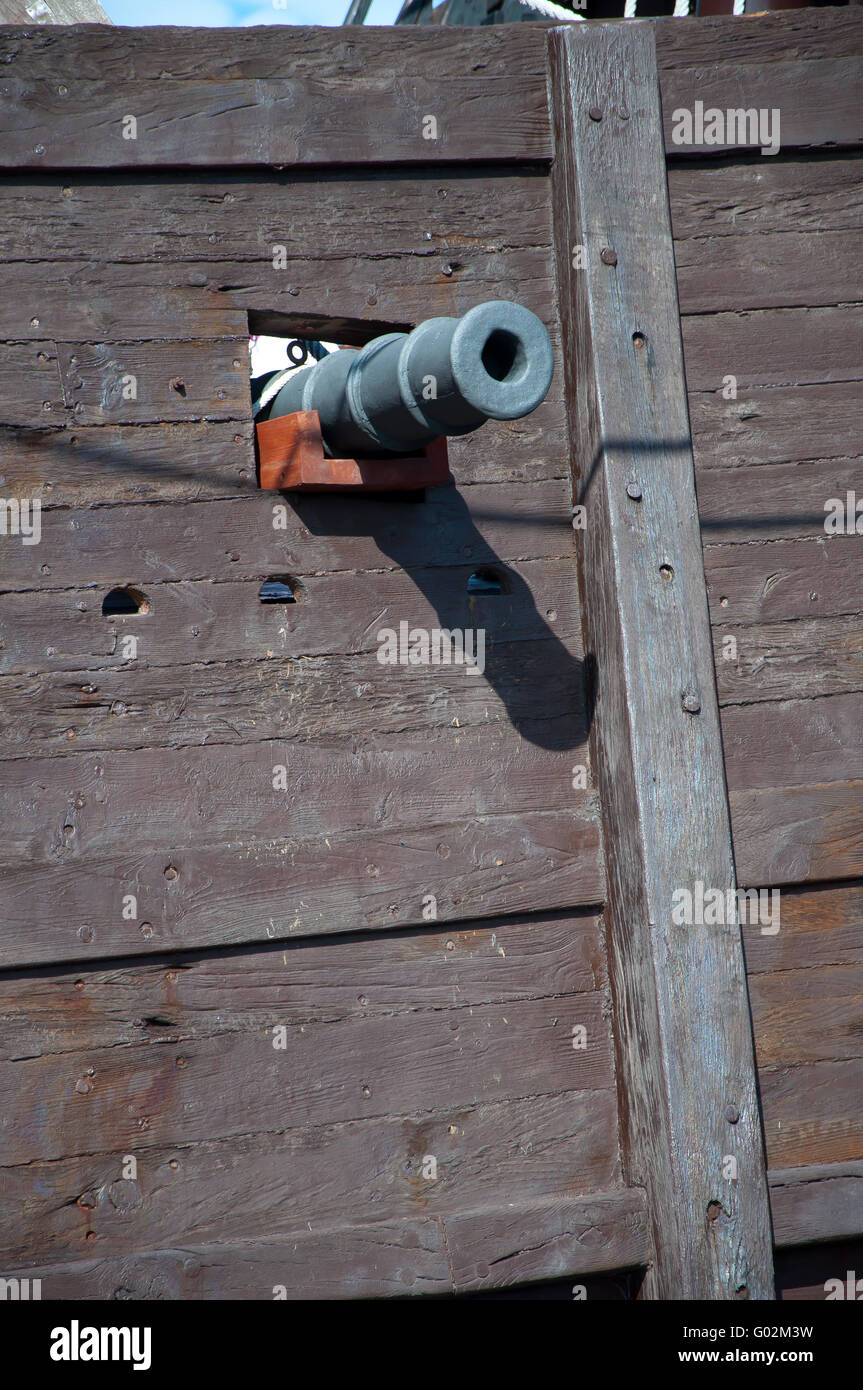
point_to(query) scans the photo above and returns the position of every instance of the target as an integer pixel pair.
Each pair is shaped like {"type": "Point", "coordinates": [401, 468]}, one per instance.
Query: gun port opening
{"type": "Point", "coordinates": [485, 582]}
{"type": "Point", "coordinates": [280, 588]}
{"type": "Point", "coordinates": [124, 602]}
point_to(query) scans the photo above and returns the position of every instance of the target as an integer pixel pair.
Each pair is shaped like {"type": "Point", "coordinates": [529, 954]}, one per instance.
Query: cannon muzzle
{"type": "Point", "coordinates": [448, 376]}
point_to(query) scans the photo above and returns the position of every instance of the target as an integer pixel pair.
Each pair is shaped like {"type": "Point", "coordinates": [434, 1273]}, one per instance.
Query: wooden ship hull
{"type": "Point", "coordinates": [324, 977]}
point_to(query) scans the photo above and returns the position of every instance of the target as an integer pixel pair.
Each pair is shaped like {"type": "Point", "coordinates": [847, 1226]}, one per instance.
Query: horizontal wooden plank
{"type": "Point", "coordinates": [196, 621]}
{"type": "Point", "coordinates": [775, 501]}
{"type": "Point", "coordinates": [351, 977]}
{"type": "Point", "coordinates": [777, 424]}
{"type": "Point", "coordinates": [196, 461]}
{"type": "Point", "coordinates": [807, 1015]}
{"type": "Point", "coordinates": [803, 659]}
{"type": "Point", "coordinates": [100, 803]}
{"type": "Point", "coordinates": [185, 1091]}
{"type": "Point", "coordinates": [263, 533]}
{"type": "Point", "coordinates": [475, 1250]}
{"type": "Point", "coordinates": [275, 95]}
{"type": "Point", "coordinates": [248, 701]}
{"type": "Point", "coordinates": [203, 219]}
{"type": "Point", "coordinates": [339, 298]}
{"type": "Point", "coordinates": [278, 1180]}
{"type": "Point", "coordinates": [822, 194]}
{"type": "Point", "coordinates": [793, 743]}
{"type": "Point", "coordinates": [798, 834]}
{"type": "Point", "coordinates": [778, 37]}
{"type": "Point", "coordinates": [818, 1202]}
{"type": "Point", "coordinates": [486, 90]}
{"type": "Point", "coordinates": [110, 383]}
{"type": "Point", "coordinates": [768, 270]}
{"type": "Point", "coordinates": [779, 580]}
{"type": "Point", "coordinates": [813, 95]}
{"type": "Point", "coordinates": [773, 347]}
{"type": "Point", "coordinates": [128, 463]}
{"type": "Point", "coordinates": [821, 926]}
{"type": "Point", "coordinates": [274, 1185]}
{"type": "Point", "coordinates": [282, 887]}
{"type": "Point", "coordinates": [796, 62]}
{"type": "Point", "coordinates": [813, 1114]}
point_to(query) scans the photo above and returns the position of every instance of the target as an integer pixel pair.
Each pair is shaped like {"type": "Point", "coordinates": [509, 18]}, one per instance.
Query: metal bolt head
{"type": "Point", "coordinates": [691, 702]}
{"type": "Point", "coordinates": [634, 491]}
{"type": "Point", "coordinates": [607, 256]}
{"type": "Point", "coordinates": [732, 1114]}
{"type": "Point", "coordinates": [595, 113]}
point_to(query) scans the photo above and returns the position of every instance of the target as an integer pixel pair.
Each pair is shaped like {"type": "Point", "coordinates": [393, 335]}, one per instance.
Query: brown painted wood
{"type": "Point", "coordinates": [490, 1248]}
{"type": "Point", "coordinates": [813, 1114]}
{"type": "Point", "coordinates": [805, 579]}
{"type": "Point", "coordinates": [802, 659]}
{"type": "Point", "coordinates": [816, 1203]}
{"type": "Point", "coordinates": [769, 271]}
{"type": "Point", "coordinates": [776, 501]}
{"type": "Point", "coordinates": [821, 926]}
{"type": "Point", "coordinates": [777, 424]}
{"type": "Point", "coordinates": [823, 193]}
{"type": "Point", "coordinates": [809, 69]}
{"type": "Point", "coordinates": [774, 347]}
{"type": "Point", "coordinates": [207, 1181]}
{"type": "Point", "coordinates": [683, 1033]}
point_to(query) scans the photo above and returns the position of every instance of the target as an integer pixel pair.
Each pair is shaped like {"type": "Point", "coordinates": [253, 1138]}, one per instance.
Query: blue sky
{"type": "Point", "coordinates": [232, 12]}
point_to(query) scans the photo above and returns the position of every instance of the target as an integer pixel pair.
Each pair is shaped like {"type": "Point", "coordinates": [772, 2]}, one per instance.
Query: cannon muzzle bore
{"type": "Point", "coordinates": [448, 376]}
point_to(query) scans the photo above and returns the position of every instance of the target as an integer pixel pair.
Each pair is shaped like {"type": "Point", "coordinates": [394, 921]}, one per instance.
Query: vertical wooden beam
{"type": "Point", "coordinates": [689, 1109]}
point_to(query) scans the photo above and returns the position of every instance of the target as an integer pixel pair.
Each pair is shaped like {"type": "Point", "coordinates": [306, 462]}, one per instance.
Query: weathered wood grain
{"type": "Point", "coordinates": [96, 804]}
{"type": "Point", "coordinates": [768, 270]}
{"type": "Point", "coordinates": [819, 1202]}
{"type": "Point", "coordinates": [248, 701]}
{"type": "Point", "coordinates": [806, 578]}
{"type": "Point", "coordinates": [356, 297]}
{"type": "Point", "coordinates": [247, 538]}
{"type": "Point", "coordinates": [280, 96]}
{"type": "Point", "coordinates": [818, 194]}
{"type": "Point", "coordinates": [776, 501]}
{"type": "Point", "coordinates": [284, 887]}
{"type": "Point", "coordinates": [204, 219]}
{"type": "Point", "coordinates": [49, 1010]}
{"type": "Point", "coordinates": [808, 1015]}
{"type": "Point", "coordinates": [813, 1114]}
{"type": "Point", "coordinates": [801, 659]}
{"type": "Point", "coordinates": [110, 383]}
{"type": "Point", "coordinates": [274, 1184]}
{"type": "Point", "coordinates": [798, 834]}
{"type": "Point", "coordinates": [777, 424]}
{"type": "Point", "coordinates": [475, 1250]}
{"type": "Point", "coordinates": [197, 461]}
{"type": "Point", "coordinates": [224, 1187]}
{"type": "Point", "coordinates": [793, 743]}
{"type": "Point", "coordinates": [774, 347]}
{"type": "Point", "coordinates": [193, 621]}
{"type": "Point", "coordinates": [786, 35]}
{"type": "Point", "coordinates": [180, 1093]}
{"type": "Point", "coordinates": [821, 926]}
{"type": "Point", "coordinates": [683, 1033]}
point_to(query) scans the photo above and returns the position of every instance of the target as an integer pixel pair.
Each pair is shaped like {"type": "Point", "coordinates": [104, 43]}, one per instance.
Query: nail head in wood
{"type": "Point", "coordinates": [607, 256]}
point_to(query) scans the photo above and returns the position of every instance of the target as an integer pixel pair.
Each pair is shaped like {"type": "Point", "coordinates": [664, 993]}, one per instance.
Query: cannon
{"type": "Point", "coordinates": [402, 390]}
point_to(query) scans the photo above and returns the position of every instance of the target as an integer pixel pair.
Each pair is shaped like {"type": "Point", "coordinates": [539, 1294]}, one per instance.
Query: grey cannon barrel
{"type": "Point", "coordinates": [448, 376]}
